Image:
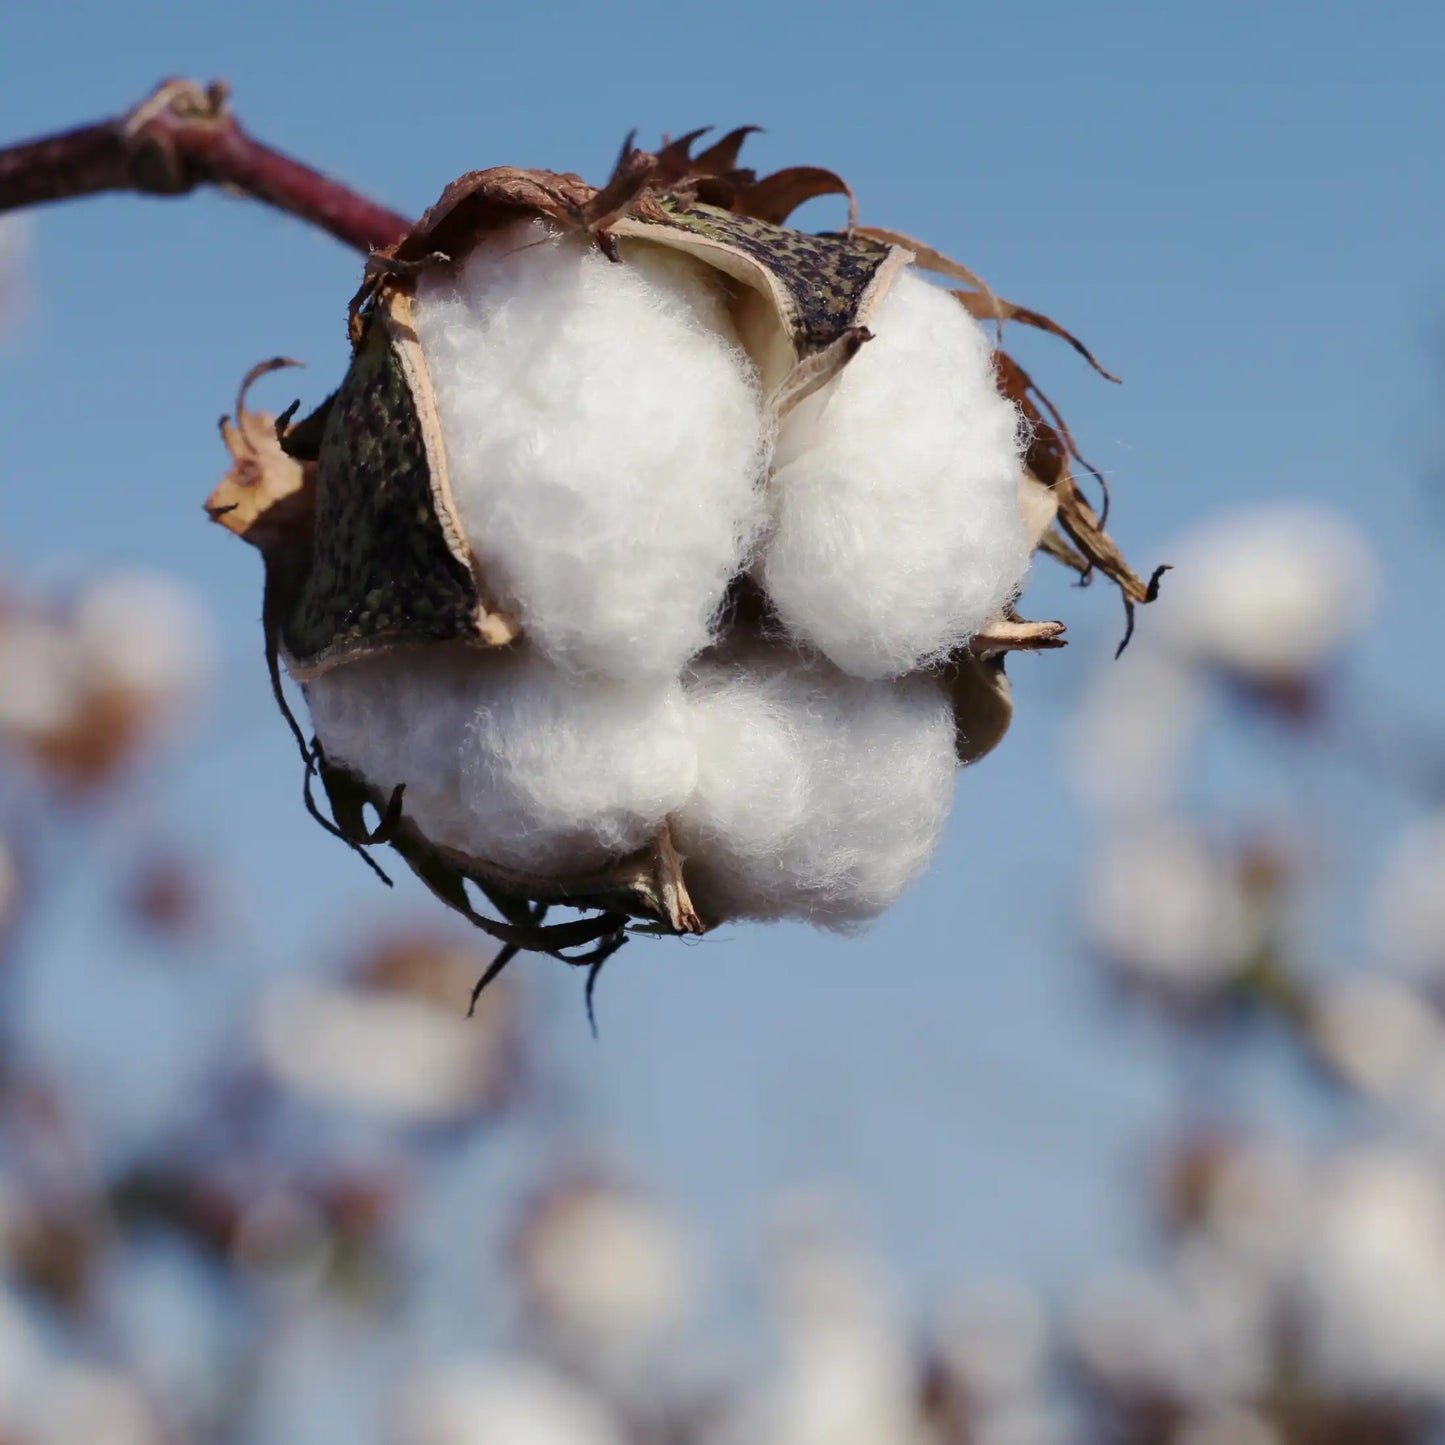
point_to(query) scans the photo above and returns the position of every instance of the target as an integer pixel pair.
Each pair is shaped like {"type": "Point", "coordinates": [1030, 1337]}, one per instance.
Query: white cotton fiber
{"type": "Point", "coordinates": [897, 526]}
{"type": "Point", "coordinates": [508, 758]}
{"type": "Point", "coordinates": [605, 441]}
{"type": "Point", "coordinates": [818, 796]}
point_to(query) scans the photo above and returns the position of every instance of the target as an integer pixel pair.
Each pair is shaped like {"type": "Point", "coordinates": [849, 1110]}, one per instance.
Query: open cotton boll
{"type": "Point", "coordinates": [1270, 594]}
{"type": "Point", "coordinates": [507, 758]}
{"type": "Point", "coordinates": [818, 796]}
{"type": "Point", "coordinates": [604, 437]}
{"type": "Point", "coordinates": [897, 525]}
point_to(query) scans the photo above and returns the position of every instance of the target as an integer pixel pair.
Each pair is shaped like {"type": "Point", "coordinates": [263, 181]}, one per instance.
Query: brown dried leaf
{"type": "Point", "coordinates": [776, 197]}
{"type": "Point", "coordinates": [990, 307]}
{"type": "Point", "coordinates": [982, 302]}
{"type": "Point", "coordinates": [1050, 450]}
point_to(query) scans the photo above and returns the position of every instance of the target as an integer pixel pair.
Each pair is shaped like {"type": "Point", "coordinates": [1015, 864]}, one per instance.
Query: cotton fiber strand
{"type": "Point", "coordinates": [897, 526]}
{"type": "Point", "coordinates": [605, 441]}
{"type": "Point", "coordinates": [507, 758]}
{"type": "Point", "coordinates": [818, 795]}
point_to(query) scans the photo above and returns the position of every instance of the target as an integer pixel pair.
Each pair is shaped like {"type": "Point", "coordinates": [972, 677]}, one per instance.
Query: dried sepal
{"type": "Point", "coordinates": [1049, 456]}
{"type": "Point", "coordinates": [266, 498]}
{"type": "Point", "coordinates": [982, 699]}
{"type": "Point", "coordinates": [776, 197]}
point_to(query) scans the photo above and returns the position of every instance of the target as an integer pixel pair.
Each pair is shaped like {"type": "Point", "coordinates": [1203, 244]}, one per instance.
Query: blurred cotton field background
{"type": "Point", "coordinates": [1127, 1124]}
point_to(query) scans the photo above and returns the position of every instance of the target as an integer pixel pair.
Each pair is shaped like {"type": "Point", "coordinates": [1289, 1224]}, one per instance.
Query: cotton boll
{"type": "Point", "coordinates": [145, 634]}
{"type": "Point", "coordinates": [399, 1058]}
{"type": "Point", "coordinates": [609, 1275]}
{"type": "Point", "coordinates": [1380, 1036]}
{"type": "Point", "coordinates": [507, 758]}
{"type": "Point", "coordinates": [819, 796]}
{"type": "Point", "coordinates": [897, 525]}
{"type": "Point", "coordinates": [1168, 909]}
{"type": "Point", "coordinates": [1372, 1291]}
{"type": "Point", "coordinates": [604, 438]}
{"type": "Point", "coordinates": [1408, 911]}
{"type": "Point", "coordinates": [1270, 594]}
{"type": "Point", "coordinates": [501, 1402]}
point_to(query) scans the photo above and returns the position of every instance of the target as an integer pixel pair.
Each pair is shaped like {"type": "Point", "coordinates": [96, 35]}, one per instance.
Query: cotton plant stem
{"type": "Point", "coordinates": [179, 137]}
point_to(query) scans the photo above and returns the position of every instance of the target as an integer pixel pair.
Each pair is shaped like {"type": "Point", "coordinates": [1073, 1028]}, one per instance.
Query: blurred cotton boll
{"type": "Point", "coordinates": [145, 635]}
{"type": "Point", "coordinates": [1380, 1036]}
{"type": "Point", "coordinates": [1228, 1427]}
{"type": "Point", "coordinates": [993, 1338]}
{"type": "Point", "coordinates": [605, 440]}
{"type": "Point", "coordinates": [1196, 1334]}
{"type": "Point", "coordinates": [1408, 908]}
{"type": "Point", "coordinates": [846, 1374]}
{"type": "Point", "coordinates": [1270, 595]}
{"type": "Point", "coordinates": [381, 1053]}
{"type": "Point", "coordinates": [897, 525]}
{"type": "Point", "coordinates": [501, 1402]}
{"type": "Point", "coordinates": [1130, 743]}
{"type": "Point", "coordinates": [608, 1275]}
{"type": "Point", "coordinates": [1169, 910]}
{"type": "Point", "coordinates": [89, 688]}
{"type": "Point", "coordinates": [1258, 1206]}
{"type": "Point", "coordinates": [99, 1406]}
{"type": "Point", "coordinates": [1372, 1283]}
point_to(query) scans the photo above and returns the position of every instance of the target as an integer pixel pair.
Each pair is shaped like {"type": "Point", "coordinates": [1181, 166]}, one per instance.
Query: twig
{"type": "Point", "coordinates": [182, 136]}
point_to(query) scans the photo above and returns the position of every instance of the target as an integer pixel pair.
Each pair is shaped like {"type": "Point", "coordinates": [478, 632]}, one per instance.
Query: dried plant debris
{"type": "Point", "coordinates": [654, 558]}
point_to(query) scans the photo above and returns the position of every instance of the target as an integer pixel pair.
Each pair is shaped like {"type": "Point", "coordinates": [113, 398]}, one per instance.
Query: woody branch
{"type": "Point", "coordinates": [179, 137]}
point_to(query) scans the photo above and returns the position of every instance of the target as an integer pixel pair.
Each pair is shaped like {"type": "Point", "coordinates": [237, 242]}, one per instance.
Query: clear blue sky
{"type": "Point", "coordinates": [1239, 206]}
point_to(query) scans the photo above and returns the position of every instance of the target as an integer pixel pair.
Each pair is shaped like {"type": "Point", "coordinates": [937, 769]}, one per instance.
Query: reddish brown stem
{"type": "Point", "coordinates": [182, 136]}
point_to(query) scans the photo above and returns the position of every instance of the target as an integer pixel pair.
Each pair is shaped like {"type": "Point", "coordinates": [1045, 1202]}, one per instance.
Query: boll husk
{"type": "Point", "coordinates": [654, 557]}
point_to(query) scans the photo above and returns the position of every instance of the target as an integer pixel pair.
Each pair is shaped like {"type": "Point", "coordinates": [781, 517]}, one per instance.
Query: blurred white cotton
{"type": "Point", "coordinates": [146, 635]}
{"type": "Point", "coordinates": [507, 758]}
{"type": "Point", "coordinates": [897, 529]}
{"type": "Point", "coordinates": [845, 1373]}
{"type": "Point", "coordinates": [993, 1337]}
{"type": "Point", "coordinates": [604, 437]}
{"type": "Point", "coordinates": [1372, 1289]}
{"type": "Point", "coordinates": [607, 1273]}
{"type": "Point", "coordinates": [1233, 1426]}
{"type": "Point", "coordinates": [93, 1404]}
{"type": "Point", "coordinates": [1408, 908]}
{"type": "Point", "coordinates": [379, 1052]}
{"type": "Point", "coordinates": [1167, 908]}
{"type": "Point", "coordinates": [501, 1402]}
{"type": "Point", "coordinates": [818, 796]}
{"type": "Point", "coordinates": [1198, 1332]}
{"type": "Point", "coordinates": [1128, 748]}
{"type": "Point", "coordinates": [1381, 1036]}
{"type": "Point", "coordinates": [1270, 594]}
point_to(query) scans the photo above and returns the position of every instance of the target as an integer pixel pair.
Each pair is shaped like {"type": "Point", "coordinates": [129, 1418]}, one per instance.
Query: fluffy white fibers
{"type": "Point", "coordinates": [605, 441]}
{"type": "Point", "coordinates": [895, 496]}
{"type": "Point", "coordinates": [819, 796]}
{"type": "Point", "coordinates": [508, 758]}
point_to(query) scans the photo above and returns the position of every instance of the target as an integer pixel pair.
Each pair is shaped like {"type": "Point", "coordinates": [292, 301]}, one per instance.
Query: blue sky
{"type": "Point", "coordinates": [1238, 206]}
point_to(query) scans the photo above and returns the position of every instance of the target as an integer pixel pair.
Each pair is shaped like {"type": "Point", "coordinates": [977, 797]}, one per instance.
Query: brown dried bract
{"type": "Point", "coordinates": [266, 496]}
